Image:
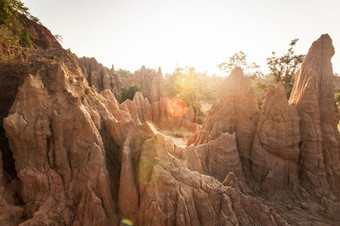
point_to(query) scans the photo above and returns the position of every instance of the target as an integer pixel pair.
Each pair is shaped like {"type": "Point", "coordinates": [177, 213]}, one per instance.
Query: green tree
{"type": "Point", "coordinates": [283, 68]}
{"type": "Point", "coordinates": [12, 23]}
{"type": "Point", "coordinates": [184, 84]}
{"type": "Point", "coordinates": [240, 60]}
{"type": "Point", "coordinates": [11, 8]}
{"type": "Point", "coordinates": [124, 73]}
{"type": "Point", "coordinates": [129, 92]}
{"type": "Point", "coordinates": [337, 97]}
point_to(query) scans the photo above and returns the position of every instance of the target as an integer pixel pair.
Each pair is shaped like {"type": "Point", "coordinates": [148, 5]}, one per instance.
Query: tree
{"type": "Point", "coordinates": [10, 8]}
{"type": "Point", "coordinates": [124, 73]}
{"type": "Point", "coordinates": [129, 92]}
{"type": "Point", "coordinates": [240, 60]}
{"type": "Point", "coordinates": [183, 83]}
{"type": "Point", "coordinates": [12, 23]}
{"type": "Point", "coordinates": [283, 68]}
{"type": "Point", "coordinates": [58, 38]}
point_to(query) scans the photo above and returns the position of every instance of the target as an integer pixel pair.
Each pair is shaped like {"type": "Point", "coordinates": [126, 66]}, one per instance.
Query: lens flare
{"type": "Point", "coordinates": [176, 107]}
{"type": "Point", "coordinates": [126, 222]}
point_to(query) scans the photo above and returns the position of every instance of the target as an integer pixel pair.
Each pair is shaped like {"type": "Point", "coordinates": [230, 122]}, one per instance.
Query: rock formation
{"type": "Point", "coordinates": [236, 111]}
{"type": "Point", "coordinates": [41, 36]}
{"type": "Point", "coordinates": [166, 112]}
{"type": "Point", "coordinates": [169, 193]}
{"type": "Point", "coordinates": [275, 152]}
{"type": "Point", "coordinates": [313, 97]}
{"type": "Point", "coordinates": [101, 77]}
{"type": "Point", "coordinates": [77, 157]}
{"type": "Point", "coordinates": [150, 82]}
{"type": "Point", "coordinates": [153, 107]}
{"type": "Point", "coordinates": [217, 158]}
{"type": "Point", "coordinates": [59, 157]}
{"type": "Point", "coordinates": [68, 164]}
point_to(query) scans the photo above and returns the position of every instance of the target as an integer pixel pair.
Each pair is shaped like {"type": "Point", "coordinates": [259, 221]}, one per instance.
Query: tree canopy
{"type": "Point", "coordinates": [12, 25]}
{"type": "Point", "coordinates": [240, 60]}
{"type": "Point", "coordinates": [129, 92]}
{"type": "Point", "coordinates": [283, 68]}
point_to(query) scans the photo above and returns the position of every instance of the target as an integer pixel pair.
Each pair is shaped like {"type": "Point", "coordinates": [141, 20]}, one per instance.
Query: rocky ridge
{"type": "Point", "coordinates": [152, 104]}
{"type": "Point", "coordinates": [72, 167]}
{"type": "Point", "coordinates": [294, 152]}
{"type": "Point", "coordinates": [80, 158]}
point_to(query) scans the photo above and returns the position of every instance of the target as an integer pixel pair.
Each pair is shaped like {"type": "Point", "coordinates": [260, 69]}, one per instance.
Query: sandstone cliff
{"type": "Point", "coordinates": [101, 77]}
{"type": "Point", "coordinates": [275, 153]}
{"type": "Point", "coordinates": [166, 112]}
{"type": "Point", "coordinates": [41, 36]}
{"type": "Point", "coordinates": [150, 82]}
{"type": "Point", "coordinates": [74, 160]}
{"type": "Point", "coordinates": [236, 111]}
{"type": "Point", "coordinates": [77, 157]}
{"type": "Point", "coordinates": [313, 97]}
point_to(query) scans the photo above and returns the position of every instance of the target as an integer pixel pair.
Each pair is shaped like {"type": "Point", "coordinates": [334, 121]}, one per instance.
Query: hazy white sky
{"type": "Point", "coordinates": [199, 33]}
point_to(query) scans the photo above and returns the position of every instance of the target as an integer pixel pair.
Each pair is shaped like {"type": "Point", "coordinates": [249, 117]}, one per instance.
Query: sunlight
{"type": "Point", "coordinates": [176, 107]}
{"type": "Point", "coordinates": [126, 222]}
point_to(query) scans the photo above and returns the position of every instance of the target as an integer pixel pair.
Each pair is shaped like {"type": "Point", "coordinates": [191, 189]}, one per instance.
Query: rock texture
{"type": "Point", "coordinates": [101, 77]}
{"type": "Point", "coordinates": [166, 112]}
{"type": "Point", "coordinates": [150, 82]}
{"type": "Point", "coordinates": [217, 158]}
{"type": "Point", "coordinates": [41, 36]}
{"type": "Point", "coordinates": [77, 157]}
{"type": "Point", "coordinates": [313, 97]}
{"type": "Point", "coordinates": [236, 111]}
{"type": "Point", "coordinates": [171, 194]}
{"type": "Point", "coordinates": [59, 157]}
{"type": "Point", "coordinates": [153, 107]}
{"type": "Point", "coordinates": [275, 153]}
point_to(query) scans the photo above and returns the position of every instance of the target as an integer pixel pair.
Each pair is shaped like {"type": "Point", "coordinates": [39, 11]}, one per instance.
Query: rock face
{"type": "Point", "coordinates": [101, 77]}
{"type": "Point", "coordinates": [236, 111]}
{"type": "Point", "coordinates": [314, 99]}
{"type": "Point", "coordinates": [68, 164]}
{"type": "Point", "coordinates": [41, 36]}
{"type": "Point", "coordinates": [60, 157]}
{"type": "Point", "coordinates": [275, 152]}
{"type": "Point", "coordinates": [169, 193]}
{"type": "Point", "coordinates": [78, 157]}
{"type": "Point", "coordinates": [217, 158]}
{"type": "Point", "coordinates": [150, 82]}
{"type": "Point", "coordinates": [166, 113]}
{"type": "Point", "coordinates": [154, 107]}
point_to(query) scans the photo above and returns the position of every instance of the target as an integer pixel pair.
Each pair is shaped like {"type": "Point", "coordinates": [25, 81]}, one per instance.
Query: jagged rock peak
{"type": "Point", "coordinates": [235, 110]}
{"type": "Point", "coordinates": [313, 95]}
{"type": "Point", "coordinates": [100, 76]}
{"type": "Point", "coordinates": [275, 151]}
{"type": "Point", "coordinates": [237, 72]}
{"type": "Point", "coordinates": [41, 36]}
{"type": "Point", "coordinates": [159, 72]}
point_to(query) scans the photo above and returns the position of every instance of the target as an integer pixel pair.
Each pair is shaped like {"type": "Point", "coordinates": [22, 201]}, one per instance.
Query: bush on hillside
{"type": "Point", "coordinates": [129, 92]}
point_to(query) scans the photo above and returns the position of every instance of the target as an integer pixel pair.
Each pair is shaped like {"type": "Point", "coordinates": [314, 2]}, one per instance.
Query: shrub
{"type": "Point", "coordinates": [13, 30]}
{"type": "Point", "coordinates": [129, 92]}
{"type": "Point", "coordinates": [337, 97]}
{"type": "Point", "coordinates": [124, 73]}
{"type": "Point", "coordinates": [259, 103]}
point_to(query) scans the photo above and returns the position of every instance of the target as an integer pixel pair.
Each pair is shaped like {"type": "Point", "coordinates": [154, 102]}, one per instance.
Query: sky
{"type": "Point", "coordinates": [198, 33]}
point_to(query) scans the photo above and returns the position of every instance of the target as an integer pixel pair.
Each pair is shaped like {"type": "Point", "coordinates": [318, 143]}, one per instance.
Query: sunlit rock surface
{"type": "Point", "coordinates": [275, 153]}
{"type": "Point", "coordinates": [100, 77]}
{"type": "Point", "coordinates": [313, 96]}
{"type": "Point", "coordinates": [167, 113]}
{"type": "Point", "coordinates": [236, 111]}
{"type": "Point", "coordinates": [77, 157]}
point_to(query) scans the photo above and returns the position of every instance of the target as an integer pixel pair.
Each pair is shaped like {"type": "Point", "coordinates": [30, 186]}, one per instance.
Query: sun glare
{"type": "Point", "coordinates": [176, 107]}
